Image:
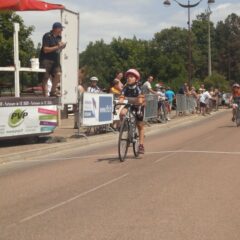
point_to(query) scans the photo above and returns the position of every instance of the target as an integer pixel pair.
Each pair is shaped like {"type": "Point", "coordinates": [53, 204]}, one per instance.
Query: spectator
{"type": "Point", "coordinates": [204, 100]}
{"type": "Point", "coordinates": [50, 58]}
{"type": "Point", "coordinates": [194, 95]}
{"type": "Point", "coordinates": [116, 88]}
{"type": "Point", "coordinates": [184, 89]}
{"type": "Point", "coordinates": [170, 96]}
{"type": "Point", "coordinates": [119, 76]}
{"type": "Point", "coordinates": [93, 88]}
{"type": "Point", "coordinates": [147, 87]}
{"type": "Point", "coordinates": [202, 88]}
{"type": "Point", "coordinates": [81, 90]}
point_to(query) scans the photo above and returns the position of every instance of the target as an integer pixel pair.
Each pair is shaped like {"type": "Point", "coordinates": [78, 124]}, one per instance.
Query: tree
{"type": "Point", "coordinates": [26, 46]}
{"type": "Point", "coordinates": [170, 55]}
{"type": "Point", "coordinates": [228, 45]}
{"type": "Point", "coordinates": [98, 61]}
{"type": "Point", "coordinates": [200, 30]}
{"type": "Point", "coordinates": [216, 81]}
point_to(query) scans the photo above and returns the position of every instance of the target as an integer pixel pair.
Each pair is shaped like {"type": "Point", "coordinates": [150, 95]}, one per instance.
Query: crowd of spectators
{"type": "Point", "coordinates": [203, 100]}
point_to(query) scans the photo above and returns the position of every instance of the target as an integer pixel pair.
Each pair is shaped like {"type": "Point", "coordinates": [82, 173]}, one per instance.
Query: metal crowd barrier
{"type": "Point", "coordinates": [185, 104]}
{"type": "Point", "coordinates": [151, 107]}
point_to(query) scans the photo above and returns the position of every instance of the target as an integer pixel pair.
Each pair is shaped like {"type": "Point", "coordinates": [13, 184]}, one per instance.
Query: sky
{"type": "Point", "coordinates": [108, 19]}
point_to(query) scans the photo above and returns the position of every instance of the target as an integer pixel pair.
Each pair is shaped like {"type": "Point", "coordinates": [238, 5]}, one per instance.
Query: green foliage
{"type": "Point", "coordinates": [26, 46]}
{"type": "Point", "coordinates": [216, 81]}
{"type": "Point", "coordinates": [166, 55]}
{"type": "Point", "coordinates": [228, 46]}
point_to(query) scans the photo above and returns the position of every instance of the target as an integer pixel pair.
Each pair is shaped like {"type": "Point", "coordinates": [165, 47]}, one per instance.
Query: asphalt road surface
{"type": "Point", "coordinates": [186, 187]}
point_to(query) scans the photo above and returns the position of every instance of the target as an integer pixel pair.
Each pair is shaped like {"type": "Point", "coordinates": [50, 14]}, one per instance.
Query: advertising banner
{"type": "Point", "coordinates": [23, 117]}
{"type": "Point", "coordinates": [97, 109]}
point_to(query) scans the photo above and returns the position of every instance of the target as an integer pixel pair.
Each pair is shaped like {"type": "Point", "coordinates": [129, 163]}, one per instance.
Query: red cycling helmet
{"type": "Point", "coordinates": [133, 72]}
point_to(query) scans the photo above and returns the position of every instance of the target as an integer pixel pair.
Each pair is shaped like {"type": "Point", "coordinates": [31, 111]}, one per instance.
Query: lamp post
{"type": "Point", "coordinates": [208, 13]}
{"type": "Point", "coordinates": [188, 6]}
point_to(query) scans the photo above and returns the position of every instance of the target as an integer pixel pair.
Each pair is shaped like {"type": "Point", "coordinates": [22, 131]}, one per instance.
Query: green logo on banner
{"type": "Point", "coordinates": [17, 117]}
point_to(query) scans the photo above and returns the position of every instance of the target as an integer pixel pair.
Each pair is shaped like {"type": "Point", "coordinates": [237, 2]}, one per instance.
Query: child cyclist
{"type": "Point", "coordinates": [234, 98]}
{"type": "Point", "coordinates": [132, 90]}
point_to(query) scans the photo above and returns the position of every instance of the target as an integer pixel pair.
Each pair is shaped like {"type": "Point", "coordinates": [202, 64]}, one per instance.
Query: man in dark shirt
{"type": "Point", "coordinates": [50, 58]}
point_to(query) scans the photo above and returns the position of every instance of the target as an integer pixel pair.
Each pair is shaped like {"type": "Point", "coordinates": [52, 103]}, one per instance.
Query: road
{"type": "Point", "coordinates": [186, 187]}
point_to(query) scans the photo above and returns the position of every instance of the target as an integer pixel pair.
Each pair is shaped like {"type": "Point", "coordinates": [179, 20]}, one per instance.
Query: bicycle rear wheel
{"type": "Point", "coordinates": [123, 141]}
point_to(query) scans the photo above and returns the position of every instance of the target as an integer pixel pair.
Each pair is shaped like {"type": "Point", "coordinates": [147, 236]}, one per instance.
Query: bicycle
{"type": "Point", "coordinates": [237, 111]}
{"type": "Point", "coordinates": [128, 133]}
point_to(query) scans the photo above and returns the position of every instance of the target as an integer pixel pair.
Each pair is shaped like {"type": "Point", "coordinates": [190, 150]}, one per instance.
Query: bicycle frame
{"type": "Point", "coordinates": [129, 128]}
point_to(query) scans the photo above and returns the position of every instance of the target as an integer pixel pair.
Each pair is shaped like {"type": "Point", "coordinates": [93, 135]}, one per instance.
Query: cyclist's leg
{"type": "Point", "coordinates": [123, 113]}
{"type": "Point", "coordinates": [234, 114]}
{"type": "Point", "coordinates": [140, 126]}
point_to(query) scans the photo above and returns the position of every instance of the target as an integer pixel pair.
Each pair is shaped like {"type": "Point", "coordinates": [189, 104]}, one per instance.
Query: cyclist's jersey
{"type": "Point", "coordinates": [131, 91]}
{"type": "Point", "coordinates": [134, 91]}
{"type": "Point", "coordinates": [235, 94]}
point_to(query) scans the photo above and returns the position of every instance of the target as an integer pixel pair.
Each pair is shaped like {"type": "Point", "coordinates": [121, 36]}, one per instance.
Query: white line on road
{"type": "Point", "coordinates": [192, 151]}
{"type": "Point", "coordinates": [165, 157]}
{"type": "Point", "coordinates": [112, 155]}
{"type": "Point", "coordinates": [73, 198]}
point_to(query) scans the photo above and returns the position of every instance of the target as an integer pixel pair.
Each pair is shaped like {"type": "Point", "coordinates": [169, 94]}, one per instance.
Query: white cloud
{"type": "Point", "coordinates": [107, 19]}
{"type": "Point", "coordinates": [221, 11]}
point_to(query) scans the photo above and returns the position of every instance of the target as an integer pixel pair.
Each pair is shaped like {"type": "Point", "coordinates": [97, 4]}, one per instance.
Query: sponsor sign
{"type": "Point", "coordinates": [97, 109]}
{"type": "Point", "coordinates": [27, 120]}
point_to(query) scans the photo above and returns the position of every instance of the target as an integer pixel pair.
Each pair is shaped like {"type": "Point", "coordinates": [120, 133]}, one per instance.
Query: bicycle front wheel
{"type": "Point", "coordinates": [123, 141]}
{"type": "Point", "coordinates": [238, 117]}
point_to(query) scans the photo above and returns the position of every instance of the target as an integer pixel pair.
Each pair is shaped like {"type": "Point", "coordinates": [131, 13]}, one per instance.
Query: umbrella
{"type": "Point", "coordinates": [28, 5]}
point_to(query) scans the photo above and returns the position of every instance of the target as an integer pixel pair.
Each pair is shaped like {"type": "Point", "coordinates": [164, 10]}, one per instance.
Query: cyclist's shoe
{"type": "Point", "coordinates": [141, 149]}
{"type": "Point", "coordinates": [233, 119]}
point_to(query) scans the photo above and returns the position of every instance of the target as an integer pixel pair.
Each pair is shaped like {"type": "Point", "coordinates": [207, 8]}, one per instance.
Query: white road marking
{"type": "Point", "coordinates": [114, 155]}
{"type": "Point", "coordinates": [72, 199]}
{"type": "Point", "coordinates": [165, 157]}
{"type": "Point", "coordinates": [192, 151]}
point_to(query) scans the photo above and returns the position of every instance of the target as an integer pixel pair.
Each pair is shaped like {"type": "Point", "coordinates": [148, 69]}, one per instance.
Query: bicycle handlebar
{"type": "Point", "coordinates": [121, 104]}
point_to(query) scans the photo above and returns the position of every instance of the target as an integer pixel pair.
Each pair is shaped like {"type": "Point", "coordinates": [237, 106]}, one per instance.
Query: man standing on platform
{"type": "Point", "coordinates": [50, 58]}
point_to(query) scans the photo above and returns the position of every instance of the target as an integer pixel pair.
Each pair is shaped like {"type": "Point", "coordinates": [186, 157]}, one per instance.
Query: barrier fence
{"type": "Point", "coordinates": [151, 107]}
{"type": "Point", "coordinates": [185, 104]}
{"type": "Point", "coordinates": [96, 110]}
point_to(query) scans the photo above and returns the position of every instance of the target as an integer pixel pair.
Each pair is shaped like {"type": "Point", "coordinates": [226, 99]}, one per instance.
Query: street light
{"type": "Point", "coordinates": [208, 13]}
{"type": "Point", "coordinates": [188, 6]}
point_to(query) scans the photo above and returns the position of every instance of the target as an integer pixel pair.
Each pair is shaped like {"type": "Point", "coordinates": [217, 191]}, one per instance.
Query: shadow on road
{"type": "Point", "coordinates": [110, 160]}
{"type": "Point", "coordinates": [228, 126]}
{"type": "Point", "coordinates": [31, 140]}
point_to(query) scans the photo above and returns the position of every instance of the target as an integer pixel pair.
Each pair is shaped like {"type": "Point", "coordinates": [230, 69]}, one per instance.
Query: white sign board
{"type": "Point", "coordinates": [70, 57]}
{"type": "Point", "coordinates": [97, 109]}
{"type": "Point", "coordinates": [27, 117]}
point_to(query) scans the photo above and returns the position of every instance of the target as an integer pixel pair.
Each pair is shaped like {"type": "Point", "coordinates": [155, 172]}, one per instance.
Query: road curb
{"type": "Point", "coordinates": [104, 138]}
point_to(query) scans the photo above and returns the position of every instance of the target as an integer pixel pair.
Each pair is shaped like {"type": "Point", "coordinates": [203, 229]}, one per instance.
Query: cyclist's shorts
{"type": "Point", "coordinates": [139, 111]}
{"type": "Point", "coordinates": [236, 100]}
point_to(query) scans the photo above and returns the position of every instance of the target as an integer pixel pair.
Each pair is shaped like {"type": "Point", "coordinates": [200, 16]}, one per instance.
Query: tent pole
{"type": "Point", "coordinates": [16, 60]}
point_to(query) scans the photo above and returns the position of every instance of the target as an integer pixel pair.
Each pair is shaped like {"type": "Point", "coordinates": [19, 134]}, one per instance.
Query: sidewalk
{"type": "Point", "coordinates": [65, 138]}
